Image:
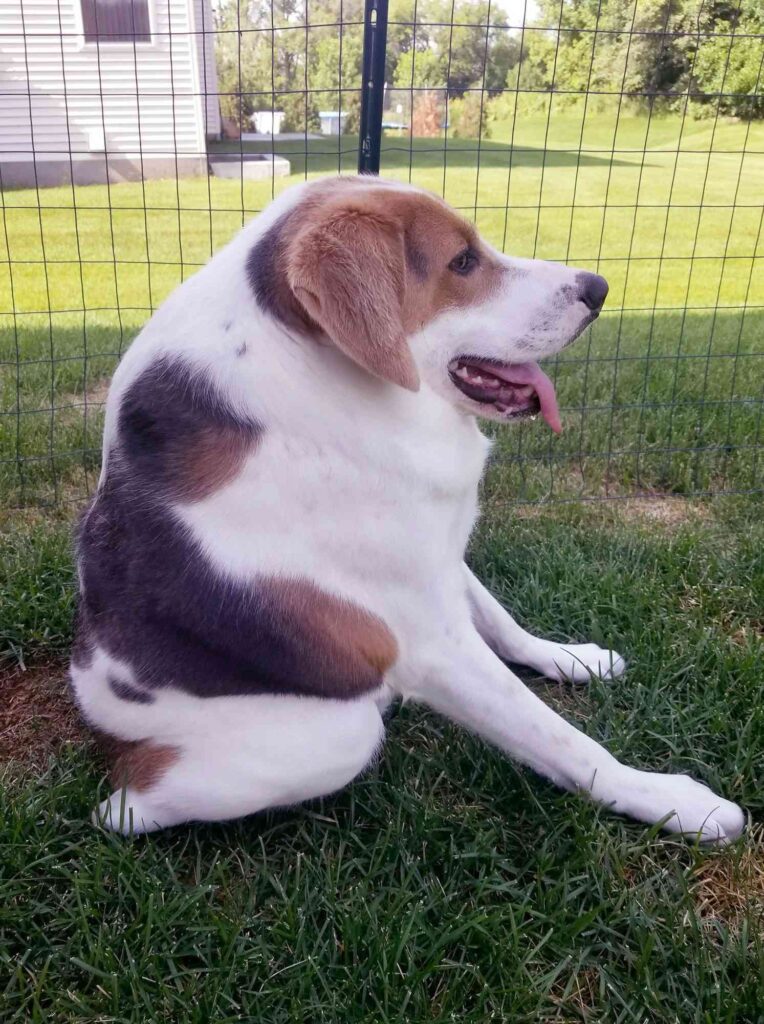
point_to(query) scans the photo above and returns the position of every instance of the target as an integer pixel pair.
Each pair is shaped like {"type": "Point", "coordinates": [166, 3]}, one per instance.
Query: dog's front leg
{"type": "Point", "coordinates": [576, 663]}
{"type": "Point", "coordinates": [465, 681]}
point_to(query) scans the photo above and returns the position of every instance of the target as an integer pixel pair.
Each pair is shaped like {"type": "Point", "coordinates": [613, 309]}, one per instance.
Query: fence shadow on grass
{"type": "Point", "coordinates": [664, 402]}
{"type": "Point", "coordinates": [326, 156]}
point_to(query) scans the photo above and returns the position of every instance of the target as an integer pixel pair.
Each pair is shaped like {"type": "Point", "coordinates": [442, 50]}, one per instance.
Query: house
{"type": "Point", "coordinates": [105, 90]}
{"type": "Point", "coordinates": [332, 121]}
{"type": "Point", "coordinates": [267, 122]}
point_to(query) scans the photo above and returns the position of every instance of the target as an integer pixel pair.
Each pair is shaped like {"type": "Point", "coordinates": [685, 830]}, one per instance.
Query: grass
{"type": "Point", "coordinates": [447, 884]}
{"type": "Point", "coordinates": [660, 395]}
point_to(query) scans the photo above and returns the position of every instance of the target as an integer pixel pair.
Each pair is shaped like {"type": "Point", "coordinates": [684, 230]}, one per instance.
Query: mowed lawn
{"type": "Point", "coordinates": [662, 394]}
{"type": "Point", "coordinates": [447, 884]}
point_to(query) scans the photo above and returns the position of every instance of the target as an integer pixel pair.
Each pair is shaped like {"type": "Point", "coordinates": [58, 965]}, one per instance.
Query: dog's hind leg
{"type": "Point", "coordinates": [576, 663]}
{"type": "Point", "coordinates": [240, 755]}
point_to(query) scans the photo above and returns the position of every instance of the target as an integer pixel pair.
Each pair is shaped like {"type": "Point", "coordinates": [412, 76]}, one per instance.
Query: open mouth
{"type": "Point", "coordinates": [515, 390]}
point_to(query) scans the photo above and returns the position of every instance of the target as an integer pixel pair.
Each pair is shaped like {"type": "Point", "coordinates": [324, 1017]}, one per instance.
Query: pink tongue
{"type": "Point", "coordinates": [531, 373]}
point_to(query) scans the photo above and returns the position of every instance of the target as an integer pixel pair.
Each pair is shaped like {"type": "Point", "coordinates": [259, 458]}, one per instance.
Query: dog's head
{"type": "Point", "coordinates": [407, 289]}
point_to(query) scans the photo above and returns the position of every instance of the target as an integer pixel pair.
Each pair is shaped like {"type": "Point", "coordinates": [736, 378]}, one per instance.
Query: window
{"type": "Point", "coordinates": [116, 21]}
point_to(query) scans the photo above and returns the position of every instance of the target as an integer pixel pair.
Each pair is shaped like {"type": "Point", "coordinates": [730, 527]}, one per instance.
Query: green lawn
{"type": "Point", "coordinates": [447, 884]}
{"type": "Point", "coordinates": [671, 215]}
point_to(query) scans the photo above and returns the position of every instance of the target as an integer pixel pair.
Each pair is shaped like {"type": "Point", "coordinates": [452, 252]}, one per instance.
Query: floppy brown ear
{"type": "Point", "coordinates": [347, 268]}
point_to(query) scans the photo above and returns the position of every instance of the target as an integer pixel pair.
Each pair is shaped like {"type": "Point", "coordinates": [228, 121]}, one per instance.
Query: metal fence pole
{"type": "Point", "coordinates": [373, 90]}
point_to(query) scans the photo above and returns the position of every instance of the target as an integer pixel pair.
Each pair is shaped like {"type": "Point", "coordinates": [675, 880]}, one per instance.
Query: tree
{"type": "Point", "coordinates": [468, 117]}
{"type": "Point", "coordinates": [609, 46]}
{"type": "Point", "coordinates": [269, 58]}
{"type": "Point", "coordinates": [475, 49]}
{"type": "Point", "coordinates": [726, 57]}
{"type": "Point", "coordinates": [651, 51]}
{"type": "Point", "coordinates": [328, 79]}
{"type": "Point", "coordinates": [427, 116]}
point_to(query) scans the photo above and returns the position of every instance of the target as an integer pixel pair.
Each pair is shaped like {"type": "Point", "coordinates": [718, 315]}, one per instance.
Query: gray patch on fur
{"type": "Point", "coordinates": [416, 261]}
{"type": "Point", "coordinates": [129, 693]}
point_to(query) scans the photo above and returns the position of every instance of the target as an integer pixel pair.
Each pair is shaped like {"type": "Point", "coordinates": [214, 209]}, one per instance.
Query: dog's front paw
{"type": "Point", "coordinates": [577, 663]}
{"type": "Point", "coordinates": [688, 806]}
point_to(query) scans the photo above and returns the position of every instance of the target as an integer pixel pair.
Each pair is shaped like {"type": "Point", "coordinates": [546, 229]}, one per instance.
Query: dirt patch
{"type": "Point", "coordinates": [662, 511]}
{"type": "Point", "coordinates": [570, 699]}
{"type": "Point", "coordinates": [520, 511]}
{"type": "Point", "coordinates": [14, 519]}
{"type": "Point", "coordinates": [743, 633]}
{"type": "Point", "coordinates": [93, 398]}
{"type": "Point", "coordinates": [729, 887]}
{"type": "Point", "coordinates": [96, 396]}
{"type": "Point", "coordinates": [579, 993]}
{"type": "Point", "coordinates": [75, 407]}
{"type": "Point", "coordinates": [37, 715]}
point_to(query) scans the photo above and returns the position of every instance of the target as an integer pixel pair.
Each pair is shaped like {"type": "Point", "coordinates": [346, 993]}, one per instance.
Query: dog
{"type": "Point", "coordinates": [275, 549]}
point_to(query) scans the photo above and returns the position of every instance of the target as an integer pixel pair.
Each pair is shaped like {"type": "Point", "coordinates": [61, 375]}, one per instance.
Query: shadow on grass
{"type": "Point", "coordinates": [665, 402]}
{"type": "Point", "coordinates": [655, 401]}
{"type": "Point", "coordinates": [333, 153]}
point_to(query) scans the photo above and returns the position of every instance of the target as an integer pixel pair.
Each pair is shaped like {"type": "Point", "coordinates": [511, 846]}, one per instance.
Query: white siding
{"type": "Point", "coordinates": [208, 78]}
{"type": "Point", "coordinates": [59, 95]}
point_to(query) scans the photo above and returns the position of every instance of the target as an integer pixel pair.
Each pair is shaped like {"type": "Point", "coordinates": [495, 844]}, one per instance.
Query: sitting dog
{"type": "Point", "coordinates": [275, 550]}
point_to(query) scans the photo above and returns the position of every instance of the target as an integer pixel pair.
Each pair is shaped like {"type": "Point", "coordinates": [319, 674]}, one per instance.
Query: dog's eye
{"type": "Point", "coordinates": [464, 263]}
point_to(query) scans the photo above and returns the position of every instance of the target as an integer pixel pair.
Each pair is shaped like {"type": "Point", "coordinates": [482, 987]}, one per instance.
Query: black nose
{"type": "Point", "coordinates": [592, 290]}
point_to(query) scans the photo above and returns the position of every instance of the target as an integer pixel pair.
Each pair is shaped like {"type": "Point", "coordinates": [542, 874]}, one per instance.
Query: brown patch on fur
{"type": "Point", "coordinates": [267, 262]}
{"type": "Point", "coordinates": [140, 764]}
{"type": "Point", "coordinates": [37, 716]}
{"type": "Point", "coordinates": [177, 435]}
{"type": "Point", "coordinates": [436, 230]}
{"type": "Point", "coordinates": [357, 644]}
{"type": "Point", "coordinates": [214, 456]}
{"type": "Point", "coordinates": [347, 267]}
{"type": "Point", "coordinates": [367, 267]}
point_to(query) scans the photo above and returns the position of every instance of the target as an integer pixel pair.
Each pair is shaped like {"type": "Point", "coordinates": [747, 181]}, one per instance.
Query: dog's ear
{"type": "Point", "coordinates": [347, 268]}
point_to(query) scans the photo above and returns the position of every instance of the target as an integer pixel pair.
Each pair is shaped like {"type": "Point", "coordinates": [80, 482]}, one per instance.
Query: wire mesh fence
{"type": "Point", "coordinates": [623, 136]}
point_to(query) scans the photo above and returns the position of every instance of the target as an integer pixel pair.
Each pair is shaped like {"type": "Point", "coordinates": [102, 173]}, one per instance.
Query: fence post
{"type": "Point", "coordinates": [373, 85]}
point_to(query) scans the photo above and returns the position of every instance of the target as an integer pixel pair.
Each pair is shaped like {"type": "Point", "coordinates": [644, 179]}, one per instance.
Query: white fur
{"type": "Point", "coordinates": [371, 491]}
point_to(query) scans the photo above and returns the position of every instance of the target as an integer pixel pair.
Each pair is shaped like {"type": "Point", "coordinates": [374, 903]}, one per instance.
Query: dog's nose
{"type": "Point", "coordinates": [592, 290]}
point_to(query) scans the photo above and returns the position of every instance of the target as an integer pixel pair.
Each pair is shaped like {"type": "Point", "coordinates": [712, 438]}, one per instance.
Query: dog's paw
{"type": "Point", "coordinates": [688, 807]}
{"type": "Point", "coordinates": [577, 663]}
{"type": "Point", "coordinates": [126, 813]}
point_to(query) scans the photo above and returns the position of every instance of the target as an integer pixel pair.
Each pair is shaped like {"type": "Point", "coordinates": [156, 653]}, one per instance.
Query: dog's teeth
{"type": "Point", "coordinates": [526, 391]}
{"type": "Point", "coordinates": [463, 372]}
{"type": "Point", "coordinates": [477, 379]}
{"type": "Point", "coordinates": [491, 382]}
